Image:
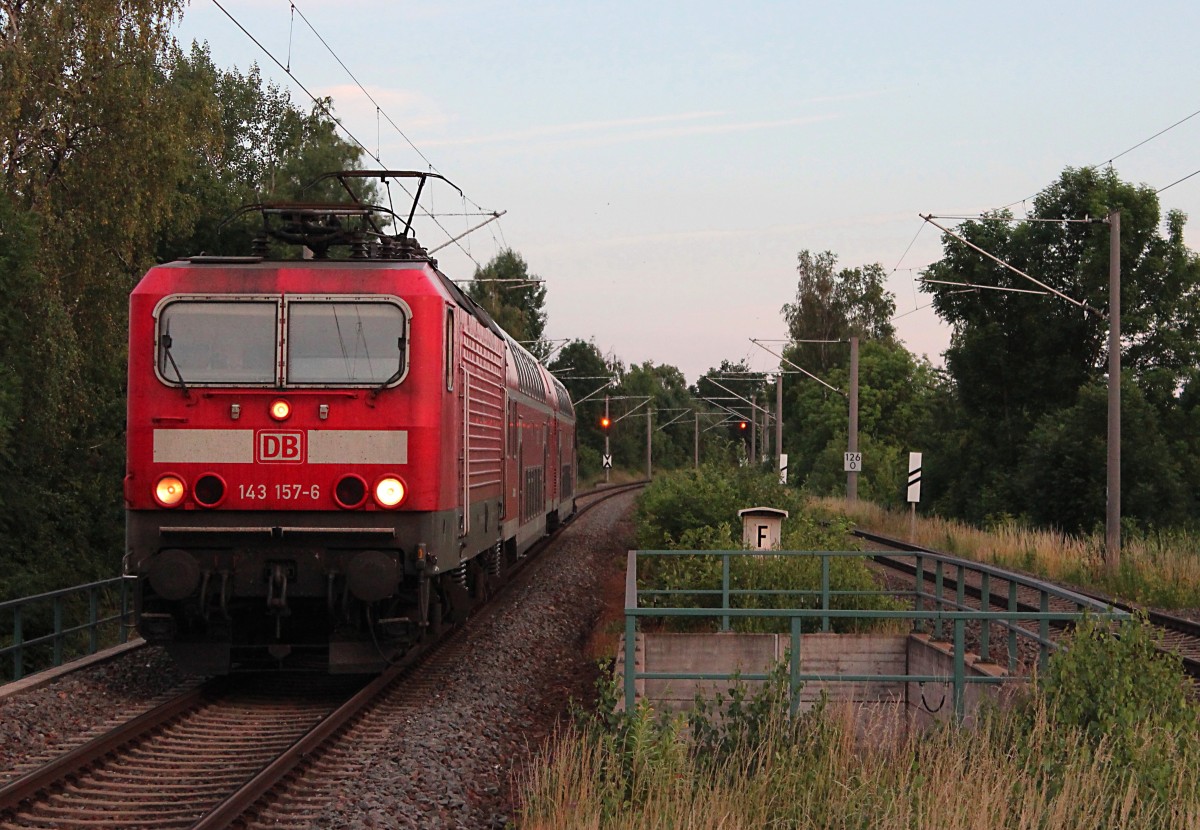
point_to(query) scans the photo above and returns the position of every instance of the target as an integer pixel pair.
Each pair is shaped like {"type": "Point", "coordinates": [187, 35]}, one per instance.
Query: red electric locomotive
{"type": "Point", "coordinates": [328, 458]}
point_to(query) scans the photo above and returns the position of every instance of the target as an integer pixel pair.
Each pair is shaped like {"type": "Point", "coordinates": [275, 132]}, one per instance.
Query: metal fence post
{"type": "Point", "coordinates": [630, 662]}
{"type": "Point", "coordinates": [825, 591]}
{"type": "Point", "coordinates": [919, 588]}
{"type": "Point", "coordinates": [18, 639]}
{"type": "Point", "coordinates": [794, 667]}
{"type": "Point", "coordinates": [1044, 633]}
{"type": "Point", "coordinates": [631, 602]}
{"type": "Point", "coordinates": [985, 626]}
{"type": "Point", "coordinates": [1012, 629]}
{"type": "Point", "coordinates": [58, 631]}
{"type": "Point", "coordinates": [126, 611]}
{"type": "Point", "coordinates": [725, 589]}
{"type": "Point", "coordinates": [960, 669]}
{"type": "Point", "coordinates": [93, 616]}
{"type": "Point", "coordinates": [938, 580]}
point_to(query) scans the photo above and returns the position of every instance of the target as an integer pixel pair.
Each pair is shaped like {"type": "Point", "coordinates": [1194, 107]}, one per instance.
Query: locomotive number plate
{"type": "Point", "coordinates": [285, 492]}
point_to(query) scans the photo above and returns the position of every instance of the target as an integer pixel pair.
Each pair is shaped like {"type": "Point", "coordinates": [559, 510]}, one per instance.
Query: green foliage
{"type": "Point", "coordinates": [264, 148]}
{"type": "Point", "coordinates": [95, 144]}
{"type": "Point", "coordinates": [117, 149]}
{"type": "Point", "coordinates": [635, 747]}
{"type": "Point", "coordinates": [740, 721]}
{"type": "Point", "coordinates": [898, 404]}
{"type": "Point", "coordinates": [1022, 364]}
{"type": "Point", "coordinates": [515, 298]}
{"type": "Point", "coordinates": [697, 510]}
{"type": "Point", "coordinates": [1129, 700]}
{"type": "Point", "coordinates": [692, 499]}
{"type": "Point", "coordinates": [832, 306]}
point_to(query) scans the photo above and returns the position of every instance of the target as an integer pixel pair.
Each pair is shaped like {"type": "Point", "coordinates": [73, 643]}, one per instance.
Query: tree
{"type": "Point", "coordinates": [515, 298]}
{"type": "Point", "coordinates": [267, 149]}
{"type": "Point", "coordinates": [1062, 470]}
{"type": "Point", "coordinates": [897, 394]}
{"type": "Point", "coordinates": [1018, 358]}
{"type": "Point", "coordinates": [583, 371]}
{"type": "Point", "coordinates": [832, 306]}
{"type": "Point", "coordinates": [728, 389]}
{"type": "Point", "coordinates": [113, 147]}
{"type": "Point", "coordinates": [95, 144]}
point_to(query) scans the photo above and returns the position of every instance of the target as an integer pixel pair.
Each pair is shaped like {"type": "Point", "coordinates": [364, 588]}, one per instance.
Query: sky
{"type": "Point", "coordinates": [662, 163]}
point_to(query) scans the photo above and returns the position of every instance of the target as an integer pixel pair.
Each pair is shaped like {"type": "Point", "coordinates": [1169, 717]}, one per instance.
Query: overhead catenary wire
{"type": "Point", "coordinates": [1130, 150]}
{"type": "Point", "coordinates": [370, 98]}
{"type": "Point", "coordinates": [328, 113]}
{"type": "Point", "coordinates": [1177, 181]}
{"type": "Point", "coordinates": [1018, 271]}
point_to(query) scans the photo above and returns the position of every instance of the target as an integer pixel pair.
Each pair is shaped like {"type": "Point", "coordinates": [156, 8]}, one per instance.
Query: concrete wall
{"type": "Point", "coordinates": [934, 703]}
{"type": "Point", "coordinates": [822, 654]}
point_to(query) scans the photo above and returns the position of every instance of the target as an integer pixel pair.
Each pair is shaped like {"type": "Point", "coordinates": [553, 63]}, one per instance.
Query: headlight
{"type": "Point", "coordinates": [390, 491]}
{"type": "Point", "coordinates": [280, 410]}
{"type": "Point", "coordinates": [170, 490]}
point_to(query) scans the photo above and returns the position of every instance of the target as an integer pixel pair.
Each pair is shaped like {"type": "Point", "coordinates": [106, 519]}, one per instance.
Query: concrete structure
{"type": "Point", "coordinates": [829, 655]}
{"type": "Point", "coordinates": [762, 527]}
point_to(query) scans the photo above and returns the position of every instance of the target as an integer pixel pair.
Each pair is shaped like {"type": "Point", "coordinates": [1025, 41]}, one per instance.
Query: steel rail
{"type": "Point", "coordinates": [40, 780]}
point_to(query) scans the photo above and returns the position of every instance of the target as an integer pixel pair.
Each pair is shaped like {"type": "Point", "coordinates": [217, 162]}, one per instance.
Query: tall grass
{"type": "Point", "coordinates": [1158, 568]}
{"type": "Point", "coordinates": [813, 772]}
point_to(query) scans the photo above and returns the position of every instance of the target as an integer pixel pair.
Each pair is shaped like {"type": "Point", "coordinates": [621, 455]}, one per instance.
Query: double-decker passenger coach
{"type": "Point", "coordinates": [328, 457]}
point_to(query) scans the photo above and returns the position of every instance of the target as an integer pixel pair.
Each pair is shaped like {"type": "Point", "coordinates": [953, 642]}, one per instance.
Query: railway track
{"type": "Point", "coordinates": [1178, 635]}
{"type": "Point", "coordinates": [244, 752]}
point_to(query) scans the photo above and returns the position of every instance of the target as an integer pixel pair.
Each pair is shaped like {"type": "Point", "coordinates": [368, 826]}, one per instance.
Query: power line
{"type": "Point", "coordinates": [1151, 138]}
{"type": "Point", "coordinates": [1130, 150]}
{"type": "Point", "coordinates": [321, 104]}
{"type": "Point", "coordinates": [1172, 184]}
{"type": "Point", "coordinates": [378, 109]}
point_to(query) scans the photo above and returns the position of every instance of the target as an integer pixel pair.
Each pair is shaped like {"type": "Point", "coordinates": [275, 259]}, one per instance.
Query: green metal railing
{"type": "Point", "coordinates": [65, 624]}
{"type": "Point", "coordinates": [933, 609]}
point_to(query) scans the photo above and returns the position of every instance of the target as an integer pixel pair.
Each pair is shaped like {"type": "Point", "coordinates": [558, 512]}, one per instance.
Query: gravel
{"type": "Point", "coordinates": [43, 722]}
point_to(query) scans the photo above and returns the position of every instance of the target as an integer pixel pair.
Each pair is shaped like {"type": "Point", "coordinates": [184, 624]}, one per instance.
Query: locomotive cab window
{"type": "Point", "coordinates": [217, 342]}
{"type": "Point", "coordinates": [353, 343]}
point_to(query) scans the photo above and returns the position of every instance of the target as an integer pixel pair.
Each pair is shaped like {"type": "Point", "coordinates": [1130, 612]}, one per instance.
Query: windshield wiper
{"type": "Point", "coordinates": [395, 375]}
{"type": "Point", "coordinates": [166, 347]}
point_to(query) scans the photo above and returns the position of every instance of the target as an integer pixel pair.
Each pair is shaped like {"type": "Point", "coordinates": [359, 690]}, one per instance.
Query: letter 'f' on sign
{"type": "Point", "coordinates": [280, 447]}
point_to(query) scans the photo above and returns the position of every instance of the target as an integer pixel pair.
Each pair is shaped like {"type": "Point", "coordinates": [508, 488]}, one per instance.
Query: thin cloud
{"type": "Point", "coordinates": [552, 130]}
{"type": "Point", "coordinates": [561, 138]}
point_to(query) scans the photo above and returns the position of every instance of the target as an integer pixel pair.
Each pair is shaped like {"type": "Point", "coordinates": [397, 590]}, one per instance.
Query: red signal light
{"type": "Point", "coordinates": [742, 425]}
{"type": "Point", "coordinates": [605, 422]}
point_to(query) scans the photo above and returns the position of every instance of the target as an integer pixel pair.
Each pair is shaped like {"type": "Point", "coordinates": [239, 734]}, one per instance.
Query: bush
{"type": "Point", "coordinates": [1130, 701]}
{"type": "Point", "coordinates": [696, 510]}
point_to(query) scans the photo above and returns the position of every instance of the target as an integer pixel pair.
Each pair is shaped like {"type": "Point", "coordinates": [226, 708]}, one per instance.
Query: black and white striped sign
{"type": "Point", "coordinates": [914, 476]}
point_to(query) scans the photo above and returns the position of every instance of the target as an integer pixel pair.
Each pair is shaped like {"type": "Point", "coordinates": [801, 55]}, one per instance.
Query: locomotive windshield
{"type": "Point", "coordinates": [350, 341]}
{"type": "Point", "coordinates": [218, 342]}
{"type": "Point", "coordinates": [345, 342]}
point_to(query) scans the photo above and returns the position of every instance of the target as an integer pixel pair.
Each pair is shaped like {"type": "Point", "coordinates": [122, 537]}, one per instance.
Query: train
{"type": "Point", "coordinates": [333, 452]}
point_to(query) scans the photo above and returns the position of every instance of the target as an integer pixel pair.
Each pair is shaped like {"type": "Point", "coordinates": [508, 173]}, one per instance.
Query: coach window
{"type": "Point", "coordinates": [346, 343]}
{"type": "Point", "coordinates": [205, 342]}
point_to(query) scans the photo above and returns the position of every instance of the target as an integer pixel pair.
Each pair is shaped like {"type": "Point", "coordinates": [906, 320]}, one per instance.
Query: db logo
{"type": "Point", "coordinates": [279, 447]}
